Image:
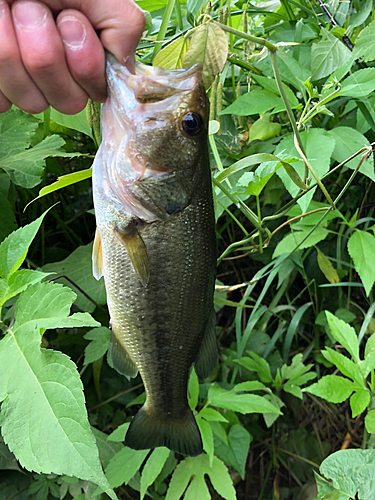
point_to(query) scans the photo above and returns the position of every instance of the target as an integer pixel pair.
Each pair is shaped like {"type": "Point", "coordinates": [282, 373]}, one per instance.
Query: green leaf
{"type": "Point", "coordinates": [207, 438]}
{"type": "Point", "coordinates": [14, 248]}
{"type": "Point", "coordinates": [327, 268]}
{"type": "Point", "coordinates": [124, 465]}
{"type": "Point", "coordinates": [192, 470]}
{"type": "Point", "coordinates": [271, 85]}
{"type": "Point", "coordinates": [8, 221]}
{"type": "Point", "coordinates": [243, 403]}
{"type": "Point", "coordinates": [360, 17]}
{"type": "Point", "coordinates": [359, 401]}
{"type": "Point", "coordinates": [344, 334]}
{"type": "Point", "coordinates": [209, 46]}
{"type": "Point", "coordinates": [370, 422]}
{"type": "Point", "coordinates": [107, 449]}
{"type": "Point", "coordinates": [359, 84]}
{"type": "Point", "coordinates": [361, 248]}
{"type": "Point", "coordinates": [319, 159]}
{"type": "Point", "coordinates": [16, 131]}
{"type": "Point", "coordinates": [263, 129]}
{"type": "Point", "coordinates": [172, 55]}
{"type": "Point", "coordinates": [78, 267]}
{"type": "Point", "coordinates": [118, 435]}
{"type": "Point", "coordinates": [332, 388]}
{"type": "Point", "coordinates": [347, 142]}
{"type": "Point", "coordinates": [18, 282]}
{"type": "Point", "coordinates": [344, 364]}
{"type": "Point", "coordinates": [193, 389]}
{"type": "Point", "coordinates": [246, 162]}
{"type": "Point", "coordinates": [153, 467]}
{"type": "Point", "coordinates": [25, 168]}
{"type": "Point", "coordinates": [327, 55]}
{"type": "Point", "coordinates": [256, 364]}
{"type": "Point", "coordinates": [351, 472]}
{"type": "Point", "coordinates": [364, 46]}
{"type": "Point", "coordinates": [152, 5]}
{"type": "Point", "coordinates": [236, 451]}
{"type": "Point", "coordinates": [255, 102]}
{"type": "Point", "coordinates": [291, 240]}
{"type": "Point", "coordinates": [41, 389]}
{"type": "Point", "coordinates": [212, 415]}
{"type": "Point", "coordinates": [99, 346]}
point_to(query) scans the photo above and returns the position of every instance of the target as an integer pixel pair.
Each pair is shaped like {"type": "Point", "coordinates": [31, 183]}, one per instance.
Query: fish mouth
{"type": "Point", "coordinates": [151, 84]}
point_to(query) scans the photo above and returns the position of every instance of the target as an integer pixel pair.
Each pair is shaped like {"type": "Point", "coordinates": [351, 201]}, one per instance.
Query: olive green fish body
{"type": "Point", "coordinates": [156, 228]}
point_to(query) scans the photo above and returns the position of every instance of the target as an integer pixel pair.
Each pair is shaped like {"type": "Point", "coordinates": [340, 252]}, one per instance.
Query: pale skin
{"type": "Point", "coordinates": [52, 51]}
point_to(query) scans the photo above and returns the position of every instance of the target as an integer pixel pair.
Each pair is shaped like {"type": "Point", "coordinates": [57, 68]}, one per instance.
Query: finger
{"type": "Point", "coordinates": [16, 86]}
{"type": "Point", "coordinates": [84, 53]}
{"type": "Point", "coordinates": [5, 104]}
{"type": "Point", "coordinates": [43, 56]}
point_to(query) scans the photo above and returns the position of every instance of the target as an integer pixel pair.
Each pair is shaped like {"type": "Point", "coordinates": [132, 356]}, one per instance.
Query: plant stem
{"type": "Point", "coordinates": [164, 26]}
{"type": "Point", "coordinates": [255, 39]}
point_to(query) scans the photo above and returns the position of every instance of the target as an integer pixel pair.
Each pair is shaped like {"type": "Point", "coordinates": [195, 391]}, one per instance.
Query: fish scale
{"type": "Point", "coordinates": [155, 246]}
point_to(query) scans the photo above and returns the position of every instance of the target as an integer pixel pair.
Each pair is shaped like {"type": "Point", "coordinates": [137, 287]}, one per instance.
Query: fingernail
{"type": "Point", "coordinates": [72, 32]}
{"type": "Point", "coordinates": [29, 15]}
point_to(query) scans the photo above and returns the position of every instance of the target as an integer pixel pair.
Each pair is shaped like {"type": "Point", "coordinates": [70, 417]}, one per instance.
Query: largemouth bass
{"type": "Point", "coordinates": [155, 243]}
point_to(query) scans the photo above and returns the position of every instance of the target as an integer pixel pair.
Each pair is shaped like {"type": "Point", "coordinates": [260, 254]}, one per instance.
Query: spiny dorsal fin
{"type": "Point", "coordinates": [121, 360]}
{"type": "Point", "coordinates": [208, 352]}
{"type": "Point", "coordinates": [136, 248]}
{"type": "Point", "coordinates": [97, 256]}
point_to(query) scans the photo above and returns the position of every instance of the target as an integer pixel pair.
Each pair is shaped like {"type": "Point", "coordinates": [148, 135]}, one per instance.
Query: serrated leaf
{"type": "Point", "coordinates": [235, 452]}
{"type": "Point", "coordinates": [327, 55]}
{"type": "Point", "coordinates": [344, 364]}
{"type": "Point", "coordinates": [25, 168]}
{"type": "Point", "coordinates": [361, 248]}
{"type": "Point", "coordinates": [192, 470]}
{"type": "Point", "coordinates": [96, 349]}
{"type": "Point", "coordinates": [152, 468]}
{"type": "Point", "coordinates": [243, 403]}
{"type": "Point", "coordinates": [41, 389]}
{"type": "Point", "coordinates": [78, 267]}
{"type": "Point", "coordinates": [209, 46]}
{"type": "Point", "coordinates": [332, 388]}
{"type": "Point", "coordinates": [171, 57]}
{"type": "Point", "coordinates": [344, 334]}
{"type": "Point", "coordinates": [351, 472]}
{"type": "Point", "coordinates": [327, 268]}
{"type": "Point", "coordinates": [124, 465]}
{"type": "Point", "coordinates": [16, 131]}
{"type": "Point", "coordinates": [18, 282]}
{"type": "Point", "coordinates": [370, 422]}
{"type": "Point", "coordinates": [14, 248]}
{"type": "Point", "coordinates": [359, 401]}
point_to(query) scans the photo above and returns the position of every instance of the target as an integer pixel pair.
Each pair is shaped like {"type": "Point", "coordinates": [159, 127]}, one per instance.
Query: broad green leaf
{"type": "Point", "coordinates": [359, 401]}
{"type": "Point", "coordinates": [370, 422]}
{"type": "Point", "coordinates": [152, 5]}
{"type": "Point", "coordinates": [364, 46]}
{"type": "Point", "coordinates": [319, 159]}
{"type": "Point", "coordinates": [236, 451]}
{"type": "Point", "coordinates": [361, 248]}
{"type": "Point", "coordinates": [8, 221]}
{"type": "Point", "coordinates": [16, 131]}
{"type": "Point", "coordinates": [207, 438]}
{"type": "Point", "coordinates": [78, 267]}
{"type": "Point", "coordinates": [14, 248]}
{"type": "Point", "coordinates": [344, 334]}
{"type": "Point", "coordinates": [18, 282]}
{"type": "Point", "coordinates": [96, 349]}
{"type": "Point", "coordinates": [370, 346]}
{"type": "Point", "coordinates": [327, 268]}
{"type": "Point", "coordinates": [254, 102]}
{"type": "Point", "coordinates": [172, 55]}
{"type": "Point", "coordinates": [344, 364]}
{"type": "Point", "coordinates": [360, 17]}
{"type": "Point", "coordinates": [75, 122]}
{"type": "Point", "coordinates": [271, 85]}
{"type": "Point", "coordinates": [193, 389]}
{"type": "Point", "coordinates": [118, 435]}
{"type": "Point", "coordinates": [212, 415]}
{"type": "Point", "coordinates": [264, 129]}
{"type": "Point", "coordinates": [257, 364]}
{"type": "Point", "coordinates": [219, 431]}
{"type": "Point", "coordinates": [332, 388]}
{"type": "Point", "coordinates": [25, 168]}
{"type": "Point", "coordinates": [270, 418]}
{"type": "Point", "coordinates": [7, 460]}
{"type": "Point", "coordinates": [152, 468]}
{"type": "Point", "coordinates": [191, 472]}
{"type": "Point", "coordinates": [209, 46]}
{"type": "Point", "coordinates": [124, 465]}
{"type": "Point", "coordinates": [351, 472]}
{"type": "Point", "coordinates": [41, 389]}
{"type": "Point", "coordinates": [347, 142]}
{"type": "Point", "coordinates": [243, 403]}
{"type": "Point", "coordinates": [107, 449]}
{"type": "Point", "coordinates": [359, 84]}
{"type": "Point", "coordinates": [291, 240]}
{"type": "Point", "coordinates": [246, 162]}
{"type": "Point", "coordinates": [327, 55]}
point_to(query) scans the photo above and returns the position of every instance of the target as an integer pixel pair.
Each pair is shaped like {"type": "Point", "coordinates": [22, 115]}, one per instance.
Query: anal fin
{"type": "Point", "coordinates": [208, 352]}
{"type": "Point", "coordinates": [121, 360]}
{"type": "Point", "coordinates": [97, 256]}
{"type": "Point", "coordinates": [136, 248]}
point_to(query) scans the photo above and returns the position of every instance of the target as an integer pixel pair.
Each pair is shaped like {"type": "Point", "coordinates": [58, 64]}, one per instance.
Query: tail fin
{"type": "Point", "coordinates": [149, 430]}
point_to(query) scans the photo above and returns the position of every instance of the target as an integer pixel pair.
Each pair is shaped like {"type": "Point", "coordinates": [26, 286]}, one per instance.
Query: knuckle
{"type": "Point", "coordinates": [72, 106]}
{"type": "Point", "coordinates": [41, 63]}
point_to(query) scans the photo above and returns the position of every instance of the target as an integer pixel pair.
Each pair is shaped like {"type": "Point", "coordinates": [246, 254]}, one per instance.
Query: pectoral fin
{"type": "Point", "coordinates": [121, 360]}
{"type": "Point", "coordinates": [97, 256]}
{"type": "Point", "coordinates": [136, 248]}
{"type": "Point", "coordinates": [208, 352]}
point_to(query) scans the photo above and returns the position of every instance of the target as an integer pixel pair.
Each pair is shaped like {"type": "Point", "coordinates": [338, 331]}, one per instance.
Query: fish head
{"type": "Point", "coordinates": [162, 114]}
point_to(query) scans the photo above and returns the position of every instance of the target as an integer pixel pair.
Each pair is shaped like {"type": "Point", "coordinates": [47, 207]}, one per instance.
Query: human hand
{"type": "Point", "coordinates": [51, 54]}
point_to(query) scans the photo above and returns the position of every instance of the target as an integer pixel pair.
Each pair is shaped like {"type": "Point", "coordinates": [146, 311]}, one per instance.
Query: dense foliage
{"type": "Point", "coordinates": [291, 86]}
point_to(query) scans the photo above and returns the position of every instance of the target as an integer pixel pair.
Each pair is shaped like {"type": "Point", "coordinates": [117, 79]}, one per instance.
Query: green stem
{"type": "Point", "coordinates": [178, 15]}
{"type": "Point", "coordinates": [304, 119]}
{"type": "Point", "coordinates": [215, 152]}
{"type": "Point", "coordinates": [260, 223]}
{"type": "Point", "coordinates": [164, 26]}
{"type": "Point", "coordinates": [46, 120]}
{"type": "Point", "coordinates": [255, 39]}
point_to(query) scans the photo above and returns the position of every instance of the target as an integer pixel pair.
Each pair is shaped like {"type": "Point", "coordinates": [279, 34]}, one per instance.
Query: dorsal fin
{"type": "Point", "coordinates": [97, 256]}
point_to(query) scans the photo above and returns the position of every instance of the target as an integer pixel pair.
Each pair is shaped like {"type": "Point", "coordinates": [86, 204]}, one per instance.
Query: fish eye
{"type": "Point", "coordinates": [192, 123]}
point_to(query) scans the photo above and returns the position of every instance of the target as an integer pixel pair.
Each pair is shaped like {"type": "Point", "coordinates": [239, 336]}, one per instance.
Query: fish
{"type": "Point", "coordinates": [155, 243]}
